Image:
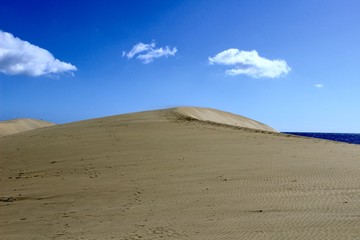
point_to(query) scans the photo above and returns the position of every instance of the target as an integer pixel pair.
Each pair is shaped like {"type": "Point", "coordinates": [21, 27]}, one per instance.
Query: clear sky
{"type": "Point", "coordinates": [290, 64]}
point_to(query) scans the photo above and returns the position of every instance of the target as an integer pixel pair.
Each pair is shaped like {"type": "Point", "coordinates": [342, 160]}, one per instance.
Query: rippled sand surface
{"type": "Point", "coordinates": [165, 175]}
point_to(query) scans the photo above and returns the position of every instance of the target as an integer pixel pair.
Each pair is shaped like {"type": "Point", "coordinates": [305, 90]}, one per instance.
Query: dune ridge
{"type": "Point", "coordinates": [22, 125]}
{"type": "Point", "coordinates": [217, 116]}
{"type": "Point", "coordinates": [158, 175]}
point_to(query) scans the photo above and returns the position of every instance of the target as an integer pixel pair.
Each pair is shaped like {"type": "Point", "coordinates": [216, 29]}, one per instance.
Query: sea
{"type": "Point", "coordinates": [353, 138]}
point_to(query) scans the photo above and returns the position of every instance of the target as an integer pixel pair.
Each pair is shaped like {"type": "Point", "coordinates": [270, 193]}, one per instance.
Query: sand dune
{"type": "Point", "coordinates": [160, 175]}
{"type": "Point", "coordinates": [21, 125]}
{"type": "Point", "coordinates": [216, 116]}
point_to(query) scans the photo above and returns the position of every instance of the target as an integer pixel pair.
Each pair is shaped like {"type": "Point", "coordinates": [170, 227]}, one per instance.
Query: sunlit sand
{"type": "Point", "coordinates": [185, 173]}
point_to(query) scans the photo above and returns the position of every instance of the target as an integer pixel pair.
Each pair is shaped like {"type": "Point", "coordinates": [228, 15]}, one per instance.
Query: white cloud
{"type": "Point", "coordinates": [319, 85]}
{"type": "Point", "coordinates": [148, 52]}
{"type": "Point", "coordinates": [138, 48]}
{"type": "Point", "coordinates": [21, 57]}
{"type": "Point", "coordinates": [250, 63]}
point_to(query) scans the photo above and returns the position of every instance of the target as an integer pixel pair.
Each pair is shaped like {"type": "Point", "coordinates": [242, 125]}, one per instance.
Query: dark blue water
{"type": "Point", "coordinates": [353, 138]}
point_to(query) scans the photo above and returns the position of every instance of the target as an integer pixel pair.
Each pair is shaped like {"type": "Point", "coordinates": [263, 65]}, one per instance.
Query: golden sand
{"type": "Point", "coordinates": [167, 175]}
{"type": "Point", "coordinates": [21, 125]}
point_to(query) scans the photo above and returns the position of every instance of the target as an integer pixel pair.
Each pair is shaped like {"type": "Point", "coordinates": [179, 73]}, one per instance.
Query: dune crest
{"type": "Point", "coordinates": [213, 115]}
{"type": "Point", "coordinates": [21, 125]}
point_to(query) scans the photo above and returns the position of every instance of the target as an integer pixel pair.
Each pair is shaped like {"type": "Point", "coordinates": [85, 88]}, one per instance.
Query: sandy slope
{"type": "Point", "coordinates": [21, 125]}
{"type": "Point", "coordinates": [157, 175]}
{"type": "Point", "coordinates": [213, 115]}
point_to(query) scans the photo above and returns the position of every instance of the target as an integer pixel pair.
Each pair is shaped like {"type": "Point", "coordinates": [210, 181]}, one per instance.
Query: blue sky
{"type": "Point", "coordinates": [290, 64]}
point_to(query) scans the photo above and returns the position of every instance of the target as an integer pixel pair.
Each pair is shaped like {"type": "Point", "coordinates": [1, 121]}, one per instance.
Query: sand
{"type": "Point", "coordinates": [216, 116]}
{"type": "Point", "coordinates": [21, 125]}
{"type": "Point", "coordinates": [161, 175]}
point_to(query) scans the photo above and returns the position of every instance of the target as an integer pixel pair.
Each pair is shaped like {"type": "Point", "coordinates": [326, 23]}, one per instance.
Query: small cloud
{"type": "Point", "coordinates": [138, 48]}
{"type": "Point", "coordinates": [148, 52]}
{"type": "Point", "coordinates": [250, 63]}
{"type": "Point", "coordinates": [21, 57]}
{"type": "Point", "coordinates": [319, 85]}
